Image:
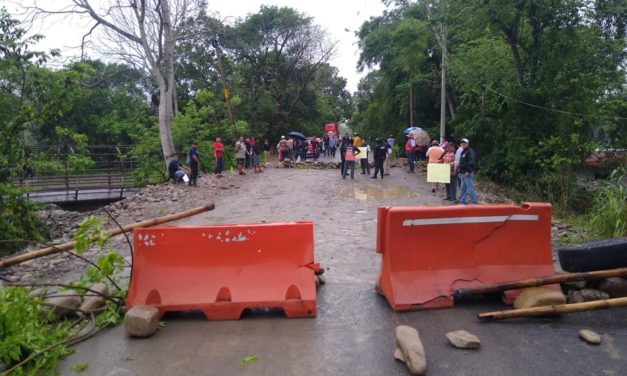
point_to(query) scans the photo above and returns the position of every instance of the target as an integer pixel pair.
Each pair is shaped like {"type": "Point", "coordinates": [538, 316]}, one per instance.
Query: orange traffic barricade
{"type": "Point", "coordinates": [428, 252]}
{"type": "Point", "coordinates": [222, 270]}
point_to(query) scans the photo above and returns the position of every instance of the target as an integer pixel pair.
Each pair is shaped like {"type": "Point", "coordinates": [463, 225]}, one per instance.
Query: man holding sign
{"type": "Point", "coordinates": [435, 154]}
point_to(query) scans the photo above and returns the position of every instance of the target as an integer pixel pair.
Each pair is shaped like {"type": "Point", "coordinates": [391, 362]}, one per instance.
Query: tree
{"type": "Point", "coordinates": [141, 32]}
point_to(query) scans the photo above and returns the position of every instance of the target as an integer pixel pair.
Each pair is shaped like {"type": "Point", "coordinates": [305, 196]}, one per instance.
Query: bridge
{"type": "Point", "coordinates": [67, 174]}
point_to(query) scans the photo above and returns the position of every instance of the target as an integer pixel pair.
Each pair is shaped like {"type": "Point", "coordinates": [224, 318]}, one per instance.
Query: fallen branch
{"type": "Point", "coordinates": [540, 281]}
{"type": "Point", "coordinates": [116, 231]}
{"type": "Point", "coordinates": [554, 309]}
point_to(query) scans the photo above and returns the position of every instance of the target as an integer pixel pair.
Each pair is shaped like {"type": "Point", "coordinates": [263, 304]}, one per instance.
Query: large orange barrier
{"type": "Point", "coordinates": [222, 270]}
{"type": "Point", "coordinates": [429, 252]}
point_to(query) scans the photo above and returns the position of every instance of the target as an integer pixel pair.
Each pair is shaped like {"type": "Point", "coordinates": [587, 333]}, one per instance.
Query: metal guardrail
{"type": "Point", "coordinates": [63, 173]}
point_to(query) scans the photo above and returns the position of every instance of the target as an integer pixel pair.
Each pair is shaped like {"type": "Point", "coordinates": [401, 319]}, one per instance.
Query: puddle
{"type": "Point", "coordinates": [374, 193]}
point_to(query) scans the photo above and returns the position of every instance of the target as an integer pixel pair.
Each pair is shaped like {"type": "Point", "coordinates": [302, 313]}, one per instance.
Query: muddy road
{"type": "Point", "coordinates": [353, 333]}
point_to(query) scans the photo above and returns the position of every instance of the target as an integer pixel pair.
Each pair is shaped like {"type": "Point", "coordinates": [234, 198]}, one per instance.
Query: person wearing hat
{"type": "Point", "coordinates": [283, 149]}
{"type": "Point", "coordinates": [467, 164]}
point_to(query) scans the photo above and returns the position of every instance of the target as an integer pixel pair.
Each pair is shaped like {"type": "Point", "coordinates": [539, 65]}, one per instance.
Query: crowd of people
{"type": "Point", "coordinates": [460, 157]}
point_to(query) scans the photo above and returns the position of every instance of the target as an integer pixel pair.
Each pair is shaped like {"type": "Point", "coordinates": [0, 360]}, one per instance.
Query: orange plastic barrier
{"type": "Point", "coordinates": [222, 270]}
{"type": "Point", "coordinates": [429, 252]}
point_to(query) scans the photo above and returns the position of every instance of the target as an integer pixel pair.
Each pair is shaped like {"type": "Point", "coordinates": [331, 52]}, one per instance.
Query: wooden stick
{"type": "Point", "coordinates": [116, 231]}
{"type": "Point", "coordinates": [532, 282]}
{"type": "Point", "coordinates": [554, 309]}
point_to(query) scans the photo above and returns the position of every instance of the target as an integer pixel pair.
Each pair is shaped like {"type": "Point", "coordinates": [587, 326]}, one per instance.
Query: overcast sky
{"type": "Point", "coordinates": [341, 18]}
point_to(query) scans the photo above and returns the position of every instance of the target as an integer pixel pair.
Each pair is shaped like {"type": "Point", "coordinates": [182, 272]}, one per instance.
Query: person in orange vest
{"type": "Point", "coordinates": [349, 159]}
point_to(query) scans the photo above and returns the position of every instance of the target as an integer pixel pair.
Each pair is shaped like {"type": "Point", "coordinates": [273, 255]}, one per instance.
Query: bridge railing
{"type": "Point", "coordinates": [65, 173]}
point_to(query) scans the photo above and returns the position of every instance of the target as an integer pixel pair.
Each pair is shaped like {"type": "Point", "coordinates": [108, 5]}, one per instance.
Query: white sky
{"type": "Point", "coordinates": [336, 16]}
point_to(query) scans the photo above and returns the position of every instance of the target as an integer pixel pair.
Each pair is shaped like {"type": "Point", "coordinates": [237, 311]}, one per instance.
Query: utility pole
{"type": "Point", "coordinates": [227, 94]}
{"type": "Point", "coordinates": [443, 87]}
{"type": "Point", "coordinates": [411, 106]}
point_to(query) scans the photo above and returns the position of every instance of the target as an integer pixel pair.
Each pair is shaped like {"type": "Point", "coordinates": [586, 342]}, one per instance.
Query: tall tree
{"type": "Point", "coordinates": [141, 32]}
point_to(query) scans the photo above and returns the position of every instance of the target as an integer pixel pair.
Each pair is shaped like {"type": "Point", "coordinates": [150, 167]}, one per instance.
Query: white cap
{"type": "Point", "coordinates": [282, 137]}
{"type": "Point", "coordinates": [464, 140]}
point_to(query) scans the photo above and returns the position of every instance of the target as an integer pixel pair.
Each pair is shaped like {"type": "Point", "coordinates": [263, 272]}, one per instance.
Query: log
{"type": "Point", "coordinates": [540, 281]}
{"type": "Point", "coordinates": [555, 309]}
{"type": "Point", "coordinates": [113, 232]}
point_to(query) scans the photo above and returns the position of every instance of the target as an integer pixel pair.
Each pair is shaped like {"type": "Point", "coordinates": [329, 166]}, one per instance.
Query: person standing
{"type": "Point", "coordinates": [194, 163]}
{"type": "Point", "coordinates": [266, 151]}
{"type": "Point", "coordinates": [283, 149]}
{"type": "Point", "coordinates": [410, 149]}
{"type": "Point", "coordinates": [365, 163]}
{"type": "Point", "coordinates": [449, 158]}
{"type": "Point", "coordinates": [458, 157]}
{"type": "Point", "coordinates": [332, 146]}
{"type": "Point", "coordinates": [388, 156]}
{"type": "Point", "coordinates": [290, 148]}
{"type": "Point", "coordinates": [380, 154]}
{"type": "Point", "coordinates": [248, 156]}
{"type": "Point", "coordinates": [218, 150]}
{"type": "Point", "coordinates": [356, 140]}
{"type": "Point", "coordinates": [350, 152]}
{"type": "Point", "coordinates": [435, 154]}
{"type": "Point", "coordinates": [240, 154]}
{"type": "Point", "coordinates": [467, 165]}
{"type": "Point", "coordinates": [255, 148]}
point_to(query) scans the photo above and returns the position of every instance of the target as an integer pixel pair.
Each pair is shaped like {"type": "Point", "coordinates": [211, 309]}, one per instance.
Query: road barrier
{"type": "Point", "coordinates": [428, 252]}
{"type": "Point", "coordinates": [222, 270]}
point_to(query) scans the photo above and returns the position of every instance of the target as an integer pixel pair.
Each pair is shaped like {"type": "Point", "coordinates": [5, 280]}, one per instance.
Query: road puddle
{"type": "Point", "coordinates": [375, 193]}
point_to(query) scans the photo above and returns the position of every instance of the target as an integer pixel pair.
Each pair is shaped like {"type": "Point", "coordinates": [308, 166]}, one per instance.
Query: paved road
{"type": "Point", "coordinates": [353, 333]}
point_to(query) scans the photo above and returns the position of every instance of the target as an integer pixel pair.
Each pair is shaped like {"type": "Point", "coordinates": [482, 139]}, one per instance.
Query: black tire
{"type": "Point", "coordinates": [597, 255]}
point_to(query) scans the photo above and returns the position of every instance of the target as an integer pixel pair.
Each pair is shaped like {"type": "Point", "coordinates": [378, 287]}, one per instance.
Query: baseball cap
{"type": "Point", "coordinates": [282, 136]}
{"type": "Point", "coordinates": [464, 140]}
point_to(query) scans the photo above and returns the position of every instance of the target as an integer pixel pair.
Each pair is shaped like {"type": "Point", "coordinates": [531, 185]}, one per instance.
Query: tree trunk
{"type": "Point", "coordinates": [166, 83]}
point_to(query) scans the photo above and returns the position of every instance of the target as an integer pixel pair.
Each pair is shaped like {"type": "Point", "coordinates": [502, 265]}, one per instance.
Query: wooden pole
{"type": "Point", "coordinates": [533, 282]}
{"type": "Point", "coordinates": [116, 231]}
{"type": "Point", "coordinates": [555, 309]}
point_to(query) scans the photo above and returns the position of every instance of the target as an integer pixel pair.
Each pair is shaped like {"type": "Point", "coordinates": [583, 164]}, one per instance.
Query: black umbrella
{"type": "Point", "coordinates": [297, 135]}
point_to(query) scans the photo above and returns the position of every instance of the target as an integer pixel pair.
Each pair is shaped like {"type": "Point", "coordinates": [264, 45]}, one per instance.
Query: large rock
{"type": "Point", "coordinates": [590, 336]}
{"type": "Point", "coordinates": [538, 297]}
{"type": "Point", "coordinates": [63, 303]}
{"type": "Point", "coordinates": [141, 321]}
{"type": "Point", "coordinates": [463, 340]}
{"type": "Point", "coordinates": [587, 295]}
{"type": "Point", "coordinates": [616, 287]}
{"type": "Point", "coordinates": [92, 301]}
{"type": "Point", "coordinates": [410, 349]}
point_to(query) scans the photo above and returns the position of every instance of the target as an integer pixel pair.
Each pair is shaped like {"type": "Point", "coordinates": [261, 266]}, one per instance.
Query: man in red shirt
{"type": "Point", "coordinates": [218, 149]}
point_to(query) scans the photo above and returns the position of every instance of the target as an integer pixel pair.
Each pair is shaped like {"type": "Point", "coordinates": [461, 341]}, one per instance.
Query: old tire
{"type": "Point", "coordinates": [597, 255]}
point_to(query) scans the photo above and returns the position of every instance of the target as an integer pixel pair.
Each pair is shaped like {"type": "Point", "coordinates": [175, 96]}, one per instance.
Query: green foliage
{"type": "Point", "coordinates": [89, 227]}
{"type": "Point", "coordinates": [248, 359]}
{"type": "Point", "coordinates": [80, 367]}
{"type": "Point", "coordinates": [608, 217]}
{"type": "Point", "coordinates": [18, 219]}
{"type": "Point", "coordinates": [26, 328]}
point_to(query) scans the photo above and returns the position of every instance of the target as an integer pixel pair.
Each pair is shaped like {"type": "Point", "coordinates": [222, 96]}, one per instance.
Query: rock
{"type": "Point", "coordinates": [538, 297]}
{"type": "Point", "coordinates": [577, 285]}
{"type": "Point", "coordinates": [91, 301]}
{"type": "Point", "coordinates": [410, 349]}
{"type": "Point", "coordinates": [590, 336]}
{"type": "Point", "coordinates": [39, 293]}
{"type": "Point", "coordinates": [587, 295]}
{"type": "Point", "coordinates": [616, 287]}
{"type": "Point", "coordinates": [463, 340]}
{"type": "Point", "coordinates": [63, 303]}
{"type": "Point", "coordinates": [141, 321]}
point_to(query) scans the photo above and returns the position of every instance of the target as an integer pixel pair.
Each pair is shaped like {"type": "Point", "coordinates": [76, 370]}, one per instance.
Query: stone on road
{"type": "Point", "coordinates": [410, 350]}
{"type": "Point", "coordinates": [538, 297]}
{"type": "Point", "coordinates": [63, 303]}
{"type": "Point", "coordinates": [615, 287]}
{"type": "Point", "coordinates": [141, 321]}
{"type": "Point", "coordinates": [590, 336]}
{"type": "Point", "coordinates": [463, 340]}
{"type": "Point", "coordinates": [93, 301]}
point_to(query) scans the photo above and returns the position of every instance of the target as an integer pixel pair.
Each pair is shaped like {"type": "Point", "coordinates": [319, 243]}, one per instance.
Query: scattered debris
{"type": "Point", "coordinates": [587, 295]}
{"type": "Point", "coordinates": [410, 350]}
{"type": "Point", "coordinates": [141, 321]}
{"type": "Point", "coordinates": [463, 340]}
{"type": "Point", "coordinates": [538, 297]}
{"type": "Point", "coordinates": [590, 336]}
{"type": "Point", "coordinates": [249, 359]}
{"type": "Point", "coordinates": [616, 287]}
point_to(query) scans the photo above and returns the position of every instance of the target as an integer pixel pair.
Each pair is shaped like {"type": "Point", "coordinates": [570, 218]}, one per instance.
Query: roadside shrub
{"type": "Point", "coordinates": [18, 219]}
{"type": "Point", "coordinates": [608, 217]}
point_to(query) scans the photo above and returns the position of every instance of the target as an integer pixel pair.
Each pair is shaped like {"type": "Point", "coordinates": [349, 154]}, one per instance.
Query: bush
{"type": "Point", "coordinates": [18, 219]}
{"type": "Point", "coordinates": [608, 217]}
